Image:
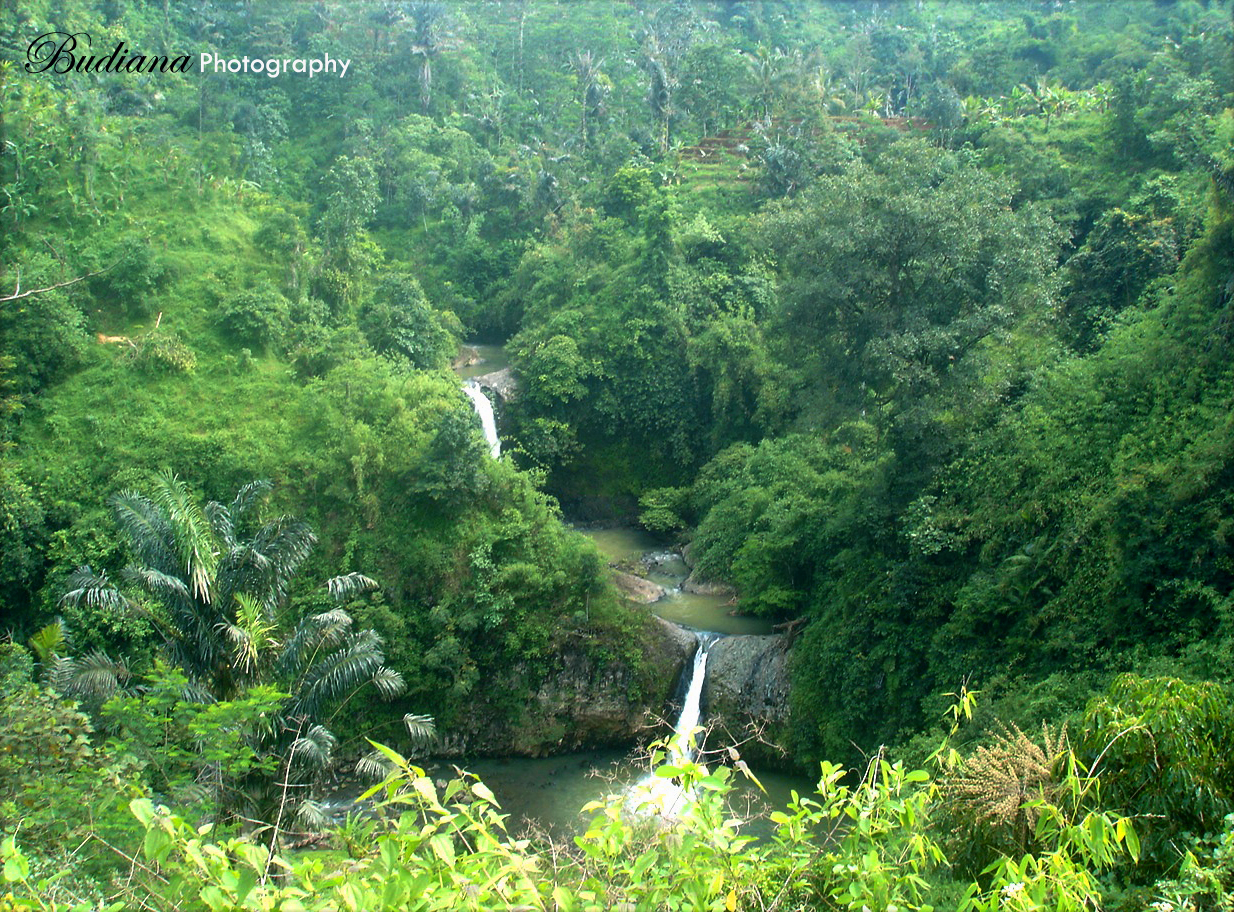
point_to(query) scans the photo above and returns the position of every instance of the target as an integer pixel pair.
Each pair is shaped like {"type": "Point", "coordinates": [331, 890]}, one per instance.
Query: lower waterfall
{"type": "Point", "coordinates": [484, 408]}
{"type": "Point", "coordinates": [655, 795]}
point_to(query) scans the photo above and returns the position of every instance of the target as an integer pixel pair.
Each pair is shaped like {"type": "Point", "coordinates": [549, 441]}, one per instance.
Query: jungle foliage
{"type": "Point", "coordinates": [912, 319]}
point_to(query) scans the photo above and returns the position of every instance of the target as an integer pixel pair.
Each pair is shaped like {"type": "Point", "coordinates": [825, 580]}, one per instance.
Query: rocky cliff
{"type": "Point", "coordinates": [747, 688]}
{"type": "Point", "coordinates": [581, 703]}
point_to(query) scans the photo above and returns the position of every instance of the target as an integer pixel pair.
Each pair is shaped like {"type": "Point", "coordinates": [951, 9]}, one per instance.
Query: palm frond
{"type": "Point", "coordinates": [332, 623]}
{"type": "Point", "coordinates": [249, 635]}
{"type": "Point", "coordinates": [313, 635]}
{"type": "Point", "coordinates": [147, 529]}
{"type": "Point", "coordinates": [224, 518]}
{"type": "Point", "coordinates": [195, 691]}
{"type": "Point", "coordinates": [389, 683]}
{"type": "Point", "coordinates": [313, 749]}
{"type": "Point", "coordinates": [49, 642]}
{"type": "Point", "coordinates": [93, 676]}
{"type": "Point", "coordinates": [422, 729]}
{"type": "Point", "coordinates": [310, 815]}
{"type": "Point", "coordinates": [92, 589]}
{"type": "Point", "coordinates": [342, 588]}
{"type": "Point", "coordinates": [339, 672]}
{"type": "Point", "coordinates": [157, 583]}
{"type": "Point", "coordinates": [193, 639]}
{"type": "Point", "coordinates": [252, 493]}
{"type": "Point", "coordinates": [287, 544]}
{"type": "Point", "coordinates": [221, 523]}
{"type": "Point", "coordinates": [191, 533]}
{"type": "Point", "coordinates": [243, 569]}
{"type": "Point", "coordinates": [374, 766]}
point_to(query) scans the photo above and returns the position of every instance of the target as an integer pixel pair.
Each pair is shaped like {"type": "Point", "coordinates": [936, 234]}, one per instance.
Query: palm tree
{"type": "Point", "coordinates": [591, 93]}
{"type": "Point", "coordinates": [216, 584]}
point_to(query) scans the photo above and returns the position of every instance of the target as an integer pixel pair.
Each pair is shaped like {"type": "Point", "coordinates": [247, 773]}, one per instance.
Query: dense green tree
{"type": "Point", "coordinates": [257, 318]}
{"type": "Point", "coordinates": [897, 272]}
{"type": "Point", "coordinates": [1162, 748]}
{"type": "Point", "coordinates": [399, 320]}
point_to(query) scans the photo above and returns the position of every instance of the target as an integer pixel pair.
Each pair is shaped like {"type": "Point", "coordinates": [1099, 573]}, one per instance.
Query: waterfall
{"type": "Point", "coordinates": [691, 710]}
{"type": "Point", "coordinates": [655, 795]}
{"type": "Point", "coordinates": [484, 409]}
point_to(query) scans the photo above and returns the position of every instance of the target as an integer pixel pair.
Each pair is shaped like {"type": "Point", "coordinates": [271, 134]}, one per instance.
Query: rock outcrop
{"type": "Point", "coordinates": [466, 357]}
{"type": "Point", "coordinates": [502, 382]}
{"type": "Point", "coordinates": [747, 685]}
{"type": "Point", "coordinates": [707, 587]}
{"type": "Point", "coordinates": [582, 703]}
{"type": "Point", "coordinates": [637, 589]}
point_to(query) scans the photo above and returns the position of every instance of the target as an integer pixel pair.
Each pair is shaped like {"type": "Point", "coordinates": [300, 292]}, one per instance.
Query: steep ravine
{"type": "Point", "coordinates": [585, 703]}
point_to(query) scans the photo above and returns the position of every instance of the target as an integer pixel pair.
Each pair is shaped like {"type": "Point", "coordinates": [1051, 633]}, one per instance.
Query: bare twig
{"type": "Point", "coordinates": [18, 294]}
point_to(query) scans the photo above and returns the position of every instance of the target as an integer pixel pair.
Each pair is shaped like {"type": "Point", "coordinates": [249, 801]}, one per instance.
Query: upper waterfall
{"type": "Point", "coordinates": [484, 408]}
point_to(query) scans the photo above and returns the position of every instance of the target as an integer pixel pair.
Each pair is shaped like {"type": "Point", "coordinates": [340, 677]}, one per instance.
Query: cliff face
{"type": "Point", "coordinates": [747, 685]}
{"type": "Point", "coordinates": [581, 703]}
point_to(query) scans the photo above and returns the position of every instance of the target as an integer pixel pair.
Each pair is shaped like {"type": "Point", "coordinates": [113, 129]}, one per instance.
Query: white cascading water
{"type": "Point", "coordinates": [665, 798]}
{"type": "Point", "coordinates": [484, 409]}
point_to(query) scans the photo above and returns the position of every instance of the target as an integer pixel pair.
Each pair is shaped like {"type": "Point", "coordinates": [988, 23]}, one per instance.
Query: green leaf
{"type": "Point", "coordinates": [443, 847]}
{"type": "Point", "coordinates": [480, 790]}
{"type": "Point", "coordinates": [564, 900]}
{"type": "Point", "coordinates": [157, 844]}
{"type": "Point", "coordinates": [1131, 839]}
{"type": "Point", "coordinates": [16, 867]}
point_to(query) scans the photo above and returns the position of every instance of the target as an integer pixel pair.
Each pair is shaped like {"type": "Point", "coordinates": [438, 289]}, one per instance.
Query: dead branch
{"type": "Point", "coordinates": [18, 294]}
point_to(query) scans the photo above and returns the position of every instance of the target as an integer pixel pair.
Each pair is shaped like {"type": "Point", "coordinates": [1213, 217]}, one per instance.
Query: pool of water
{"type": "Point", "coordinates": [644, 554]}
{"type": "Point", "coordinates": [549, 793]}
{"type": "Point", "coordinates": [492, 358]}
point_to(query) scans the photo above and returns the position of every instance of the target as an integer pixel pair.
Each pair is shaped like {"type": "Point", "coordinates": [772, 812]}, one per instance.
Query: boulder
{"type": "Point", "coordinates": [502, 382]}
{"type": "Point", "coordinates": [747, 685]}
{"type": "Point", "coordinates": [582, 703]}
{"type": "Point", "coordinates": [699, 586]}
{"type": "Point", "coordinates": [637, 589]}
{"type": "Point", "coordinates": [466, 357]}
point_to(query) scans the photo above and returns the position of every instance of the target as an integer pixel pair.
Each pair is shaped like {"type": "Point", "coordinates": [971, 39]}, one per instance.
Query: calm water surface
{"type": "Point", "coordinates": [492, 358]}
